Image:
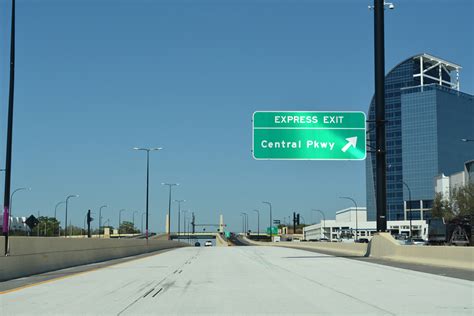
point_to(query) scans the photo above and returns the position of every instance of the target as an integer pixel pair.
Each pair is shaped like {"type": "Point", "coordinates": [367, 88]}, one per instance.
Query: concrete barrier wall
{"type": "Point", "coordinates": [220, 242]}
{"type": "Point", "coordinates": [384, 246]}
{"type": "Point", "coordinates": [30, 256]}
{"type": "Point", "coordinates": [349, 249]}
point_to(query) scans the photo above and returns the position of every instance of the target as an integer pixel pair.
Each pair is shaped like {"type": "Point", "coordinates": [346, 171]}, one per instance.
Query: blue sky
{"type": "Point", "coordinates": [96, 78]}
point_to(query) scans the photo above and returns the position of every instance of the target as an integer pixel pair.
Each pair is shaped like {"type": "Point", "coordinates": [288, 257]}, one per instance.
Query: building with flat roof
{"type": "Point", "coordinates": [345, 227]}
{"type": "Point", "coordinates": [426, 118]}
{"type": "Point", "coordinates": [16, 223]}
{"type": "Point", "coordinates": [446, 184]}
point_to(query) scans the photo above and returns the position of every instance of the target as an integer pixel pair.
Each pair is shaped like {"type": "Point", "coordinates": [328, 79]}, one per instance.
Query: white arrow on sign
{"type": "Point", "coordinates": [351, 141]}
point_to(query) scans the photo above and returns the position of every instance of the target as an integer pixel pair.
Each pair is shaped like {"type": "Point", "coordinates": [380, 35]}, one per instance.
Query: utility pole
{"type": "Point", "coordinates": [379, 50]}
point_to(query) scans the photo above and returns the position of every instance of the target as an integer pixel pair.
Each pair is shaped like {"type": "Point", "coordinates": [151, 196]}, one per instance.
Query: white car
{"type": "Point", "coordinates": [417, 241]}
{"type": "Point", "coordinates": [208, 243]}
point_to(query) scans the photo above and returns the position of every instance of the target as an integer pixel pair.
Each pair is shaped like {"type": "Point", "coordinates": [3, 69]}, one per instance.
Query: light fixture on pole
{"type": "Point", "coordinates": [179, 213]}
{"type": "Point", "coordinates": [169, 207]}
{"type": "Point", "coordinates": [147, 150]}
{"type": "Point", "coordinates": [271, 219]}
{"type": "Point", "coordinates": [357, 228]}
{"type": "Point", "coordinates": [11, 203]}
{"type": "Point", "coordinates": [100, 216]}
{"type": "Point", "coordinates": [120, 220]}
{"type": "Point", "coordinates": [324, 221]}
{"type": "Point", "coordinates": [65, 222]}
{"type": "Point", "coordinates": [55, 211]}
{"type": "Point", "coordinates": [258, 222]}
{"type": "Point", "coordinates": [409, 198]}
{"type": "Point", "coordinates": [133, 220]}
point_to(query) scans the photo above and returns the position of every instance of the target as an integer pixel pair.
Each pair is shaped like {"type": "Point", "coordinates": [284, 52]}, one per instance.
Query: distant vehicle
{"type": "Point", "coordinates": [208, 243]}
{"type": "Point", "coordinates": [457, 231]}
{"type": "Point", "coordinates": [362, 240]}
{"type": "Point", "coordinates": [401, 239]}
{"type": "Point", "coordinates": [417, 241]}
{"type": "Point", "coordinates": [197, 244]}
{"type": "Point", "coordinates": [350, 240]}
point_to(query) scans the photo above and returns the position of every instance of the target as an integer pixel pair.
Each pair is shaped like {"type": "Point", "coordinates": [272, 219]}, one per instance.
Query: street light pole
{"type": "Point", "coordinates": [246, 226]}
{"type": "Point", "coordinates": [100, 216]}
{"type": "Point", "coordinates": [381, 168]}
{"type": "Point", "coordinates": [258, 222]}
{"type": "Point", "coordinates": [120, 220]}
{"type": "Point", "coordinates": [271, 219]}
{"type": "Point", "coordinates": [353, 201]}
{"type": "Point", "coordinates": [169, 207]}
{"type": "Point", "coordinates": [142, 223]}
{"type": "Point", "coordinates": [409, 197]}
{"type": "Point", "coordinates": [55, 209]}
{"type": "Point", "coordinates": [133, 220]}
{"type": "Point", "coordinates": [184, 221]}
{"type": "Point", "coordinates": [11, 204]}
{"type": "Point", "coordinates": [147, 181]}
{"type": "Point", "coordinates": [324, 220]}
{"type": "Point", "coordinates": [67, 200]}
{"type": "Point", "coordinates": [179, 214]}
{"type": "Point", "coordinates": [108, 222]}
{"type": "Point", "coordinates": [8, 160]}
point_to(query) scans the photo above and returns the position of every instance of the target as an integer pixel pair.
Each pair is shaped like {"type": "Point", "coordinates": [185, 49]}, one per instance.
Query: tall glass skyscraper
{"type": "Point", "coordinates": [426, 118]}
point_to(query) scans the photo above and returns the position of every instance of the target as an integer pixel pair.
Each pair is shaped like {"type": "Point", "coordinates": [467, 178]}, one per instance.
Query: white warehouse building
{"type": "Point", "coordinates": [16, 223]}
{"type": "Point", "coordinates": [345, 225]}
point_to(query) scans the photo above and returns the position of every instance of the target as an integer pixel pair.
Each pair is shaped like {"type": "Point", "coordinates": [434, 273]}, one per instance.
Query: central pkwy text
{"type": "Point", "coordinates": [297, 144]}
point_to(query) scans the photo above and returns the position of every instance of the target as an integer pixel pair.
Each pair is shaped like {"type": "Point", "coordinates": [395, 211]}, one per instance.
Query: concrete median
{"type": "Point", "coordinates": [348, 249]}
{"type": "Point", "coordinates": [30, 256]}
{"type": "Point", "coordinates": [221, 242]}
{"type": "Point", "coordinates": [384, 246]}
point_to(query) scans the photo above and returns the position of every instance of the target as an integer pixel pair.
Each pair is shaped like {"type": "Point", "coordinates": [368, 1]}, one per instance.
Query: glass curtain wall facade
{"type": "Point", "coordinates": [425, 120]}
{"type": "Point", "coordinates": [399, 77]}
{"type": "Point", "coordinates": [434, 120]}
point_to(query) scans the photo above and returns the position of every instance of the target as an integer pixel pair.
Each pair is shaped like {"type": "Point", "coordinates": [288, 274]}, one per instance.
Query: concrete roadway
{"type": "Point", "coordinates": [243, 280]}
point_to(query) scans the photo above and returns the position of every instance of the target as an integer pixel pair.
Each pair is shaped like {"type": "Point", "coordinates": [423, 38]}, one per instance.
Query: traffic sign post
{"type": "Point", "coordinates": [309, 135]}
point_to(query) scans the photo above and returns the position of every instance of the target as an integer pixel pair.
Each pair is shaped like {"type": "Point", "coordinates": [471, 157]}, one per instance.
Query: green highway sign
{"type": "Point", "coordinates": [309, 135]}
{"type": "Point", "coordinates": [274, 230]}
